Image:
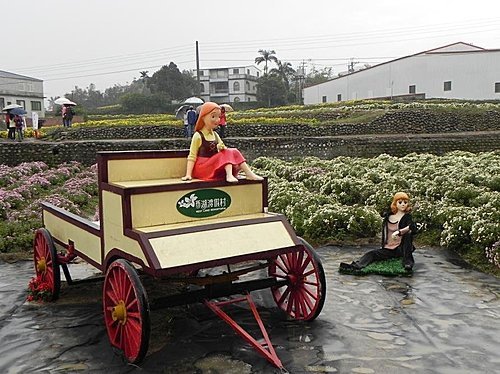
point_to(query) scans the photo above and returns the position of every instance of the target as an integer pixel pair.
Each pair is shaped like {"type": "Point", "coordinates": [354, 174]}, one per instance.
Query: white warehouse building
{"type": "Point", "coordinates": [455, 71]}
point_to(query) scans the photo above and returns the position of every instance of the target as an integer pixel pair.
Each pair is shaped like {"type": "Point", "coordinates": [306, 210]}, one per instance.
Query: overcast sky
{"type": "Point", "coordinates": [70, 43]}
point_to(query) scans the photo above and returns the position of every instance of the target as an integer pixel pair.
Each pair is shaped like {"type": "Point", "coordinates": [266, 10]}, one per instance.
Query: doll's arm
{"type": "Point", "coordinates": [401, 232]}
{"type": "Point", "coordinates": [404, 230]}
{"type": "Point", "coordinates": [189, 171]}
{"type": "Point", "coordinates": [220, 143]}
{"type": "Point", "coordinates": [193, 152]}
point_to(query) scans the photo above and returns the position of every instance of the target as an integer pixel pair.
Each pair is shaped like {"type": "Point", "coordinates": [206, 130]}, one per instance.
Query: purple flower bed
{"type": "Point", "coordinates": [71, 186]}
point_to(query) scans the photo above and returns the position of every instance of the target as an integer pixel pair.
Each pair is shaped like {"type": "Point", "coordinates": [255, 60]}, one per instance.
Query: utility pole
{"type": "Point", "coordinates": [301, 77]}
{"type": "Point", "coordinates": [350, 65]}
{"type": "Point", "coordinates": [197, 70]}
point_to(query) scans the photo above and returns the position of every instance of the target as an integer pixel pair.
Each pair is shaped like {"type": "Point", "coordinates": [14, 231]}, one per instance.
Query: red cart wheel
{"type": "Point", "coordinates": [45, 259]}
{"type": "Point", "coordinates": [126, 311]}
{"type": "Point", "coordinates": [302, 298]}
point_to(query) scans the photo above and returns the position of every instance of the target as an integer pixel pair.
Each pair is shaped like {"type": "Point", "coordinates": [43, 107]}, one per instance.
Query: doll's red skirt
{"type": "Point", "coordinates": [212, 168]}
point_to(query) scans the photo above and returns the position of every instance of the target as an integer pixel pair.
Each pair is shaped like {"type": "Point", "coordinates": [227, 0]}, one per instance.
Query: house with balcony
{"type": "Point", "coordinates": [230, 84]}
{"type": "Point", "coordinates": [22, 90]}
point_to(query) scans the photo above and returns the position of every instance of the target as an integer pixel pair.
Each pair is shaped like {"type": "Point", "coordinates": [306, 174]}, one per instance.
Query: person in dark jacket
{"type": "Point", "coordinates": [67, 115]}
{"type": "Point", "coordinates": [191, 121]}
{"type": "Point", "coordinates": [398, 230]}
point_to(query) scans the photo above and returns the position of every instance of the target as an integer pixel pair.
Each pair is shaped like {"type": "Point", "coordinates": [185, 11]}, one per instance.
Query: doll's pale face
{"type": "Point", "coordinates": [402, 205]}
{"type": "Point", "coordinates": [211, 120]}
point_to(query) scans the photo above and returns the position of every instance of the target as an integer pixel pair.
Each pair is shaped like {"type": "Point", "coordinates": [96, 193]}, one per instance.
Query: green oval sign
{"type": "Point", "coordinates": [203, 203]}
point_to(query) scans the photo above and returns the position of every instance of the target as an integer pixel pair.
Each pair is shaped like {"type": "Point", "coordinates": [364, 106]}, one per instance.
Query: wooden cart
{"type": "Point", "coordinates": [154, 224]}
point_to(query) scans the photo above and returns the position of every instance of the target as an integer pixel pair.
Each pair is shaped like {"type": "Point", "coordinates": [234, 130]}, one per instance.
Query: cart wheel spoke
{"type": "Point", "coordinates": [281, 267]}
{"type": "Point", "coordinates": [307, 298]}
{"type": "Point", "coordinates": [304, 294]}
{"type": "Point", "coordinates": [115, 291]}
{"type": "Point", "coordinates": [283, 296]}
{"type": "Point", "coordinates": [289, 307]}
{"type": "Point", "coordinates": [115, 335]}
{"type": "Point", "coordinates": [126, 311]}
{"type": "Point", "coordinates": [113, 299]}
{"type": "Point", "coordinates": [311, 294]}
{"type": "Point", "coordinates": [304, 265]}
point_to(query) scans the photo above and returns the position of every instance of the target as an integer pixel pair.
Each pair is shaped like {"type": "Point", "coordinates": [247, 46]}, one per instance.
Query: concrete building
{"type": "Point", "coordinates": [22, 90]}
{"type": "Point", "coordinates": [228, 85]}
{"type": "Point", "coordinates": [455, 71]}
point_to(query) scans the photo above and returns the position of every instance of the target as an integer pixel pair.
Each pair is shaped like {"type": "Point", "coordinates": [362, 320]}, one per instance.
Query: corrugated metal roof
{"type": "Point", "coordinates": [6, 74]}
{"type": "Point", "coordinates": [461, 48]}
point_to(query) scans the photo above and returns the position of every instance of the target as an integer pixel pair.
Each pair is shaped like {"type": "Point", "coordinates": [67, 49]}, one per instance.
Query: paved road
{"type": "Point", "coordinates": [444, 319]}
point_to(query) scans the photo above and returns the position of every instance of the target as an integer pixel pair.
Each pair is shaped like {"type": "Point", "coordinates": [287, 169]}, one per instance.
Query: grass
{"type": "Point", "coordinates": [391, 267]}
{"type": "Point", "coordinates": [476, 258]}
{"type": "Point", "coordinates": [359, 116]}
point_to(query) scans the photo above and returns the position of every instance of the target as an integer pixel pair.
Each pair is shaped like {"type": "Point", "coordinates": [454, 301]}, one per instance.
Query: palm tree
{"type": "Point", "coordinates": [144, 78]}
{"type": "Point", "coordinates": [284, 71]}
{"type": "Point", "coordinates": [52, 103]}
{"type": "Point", "coordinates": [266, 57]}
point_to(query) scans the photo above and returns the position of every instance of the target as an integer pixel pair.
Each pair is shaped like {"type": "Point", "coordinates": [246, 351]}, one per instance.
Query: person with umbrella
{"type": "Point", "coordinates": [19, 122]}
{"type": "Point", "coordinates": [67, 114]}
{"type": "Point", "coordinates": [13, 111]}
{"type": "Point", "coordinates": [67, 111]}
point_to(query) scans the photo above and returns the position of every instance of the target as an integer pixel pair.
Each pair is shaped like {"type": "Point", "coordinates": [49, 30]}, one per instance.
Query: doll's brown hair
{"type": "Point", "coordinates": [400, 196]}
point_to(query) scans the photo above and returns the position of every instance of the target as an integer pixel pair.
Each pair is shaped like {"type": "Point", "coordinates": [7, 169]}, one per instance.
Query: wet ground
{"type": "Point", "coordinates": [443, 319]}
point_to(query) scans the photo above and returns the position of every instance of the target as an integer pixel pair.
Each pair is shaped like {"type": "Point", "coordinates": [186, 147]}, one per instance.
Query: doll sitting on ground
{"type": "Point", "coordinates": [209, 158]}
{"type": "Point", "coordinates": [398, 230]}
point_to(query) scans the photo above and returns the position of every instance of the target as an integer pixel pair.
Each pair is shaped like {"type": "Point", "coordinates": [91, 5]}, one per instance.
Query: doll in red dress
{"type": "Point", "coordinates": [209, 158]}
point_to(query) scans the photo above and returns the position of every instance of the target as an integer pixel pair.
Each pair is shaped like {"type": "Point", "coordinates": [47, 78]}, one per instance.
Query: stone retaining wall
{"type": "Point", "coordinates": [54, 153]}
{"type": "Point", "coordinates": [398, 133]}
{"type": "Point", "coordinates": [395, 122]}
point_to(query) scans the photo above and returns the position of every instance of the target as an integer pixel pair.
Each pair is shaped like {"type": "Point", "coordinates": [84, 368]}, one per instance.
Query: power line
{"type": "Point", "coordinates": [244, 47]}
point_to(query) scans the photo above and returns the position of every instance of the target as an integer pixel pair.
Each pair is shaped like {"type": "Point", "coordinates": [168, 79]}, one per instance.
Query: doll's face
{"type": "Point", "coordinates": [402, 204]}
{"type": "Point", "coordinates": [211, 120]}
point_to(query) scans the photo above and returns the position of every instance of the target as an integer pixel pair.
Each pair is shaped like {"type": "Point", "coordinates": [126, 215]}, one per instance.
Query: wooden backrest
{"type": "Point", "coordinates": [141, 165]}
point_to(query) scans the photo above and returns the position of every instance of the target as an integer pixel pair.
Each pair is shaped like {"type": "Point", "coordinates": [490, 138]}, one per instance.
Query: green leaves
{"type": "Point", "coordinates": [342, 198]}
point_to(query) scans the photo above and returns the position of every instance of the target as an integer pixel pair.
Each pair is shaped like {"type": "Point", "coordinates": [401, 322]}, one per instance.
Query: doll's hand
{"type": "Point", "coordinates": [395, 234]}
{"type": "Point", "coordinates": [220, 147]}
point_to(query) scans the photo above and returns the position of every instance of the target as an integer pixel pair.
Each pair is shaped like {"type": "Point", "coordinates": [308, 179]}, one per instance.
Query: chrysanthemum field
{"type": "Point", "coordinates": [457, 197]}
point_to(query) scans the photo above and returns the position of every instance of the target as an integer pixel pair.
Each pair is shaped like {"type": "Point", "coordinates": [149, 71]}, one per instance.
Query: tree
{"type": "Point", "coordinates": [139, 103]}
{"type": "Point", "coordinates": [52, 104]}
{"type": "Point", "coordinates": [144, 79]}
{"type": "Point", "coordinates": [318, 76]}
{"type": "Point", "coordinates": [285, 71]}
{"type": "Point", "coordinates": [170, 82]}
{"type": "Point", "coordinates": [266, 57]}
{"type": "Point", "coordinates": [271, 89]}
{"type": "Point", "coordinates": [88, 97]}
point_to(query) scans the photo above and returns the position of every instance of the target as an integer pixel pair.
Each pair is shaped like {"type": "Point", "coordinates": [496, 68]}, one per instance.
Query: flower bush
{"type": "Point", "coordinates": [456, 196]}
{"type": "Point", "coordinates": [22, 188]}
{"type": "Point", "coordinates": [38, 290]}
{"type": "Point", "coordinates": [493, 253]}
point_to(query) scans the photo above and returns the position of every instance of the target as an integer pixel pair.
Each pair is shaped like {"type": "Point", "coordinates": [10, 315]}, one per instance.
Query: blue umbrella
{"type": "Point", "coordinates": [17, 111]}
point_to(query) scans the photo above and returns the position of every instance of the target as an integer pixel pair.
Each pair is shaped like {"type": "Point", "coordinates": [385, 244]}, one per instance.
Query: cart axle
{"type": "Point", "coordinates": [214, 291]}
